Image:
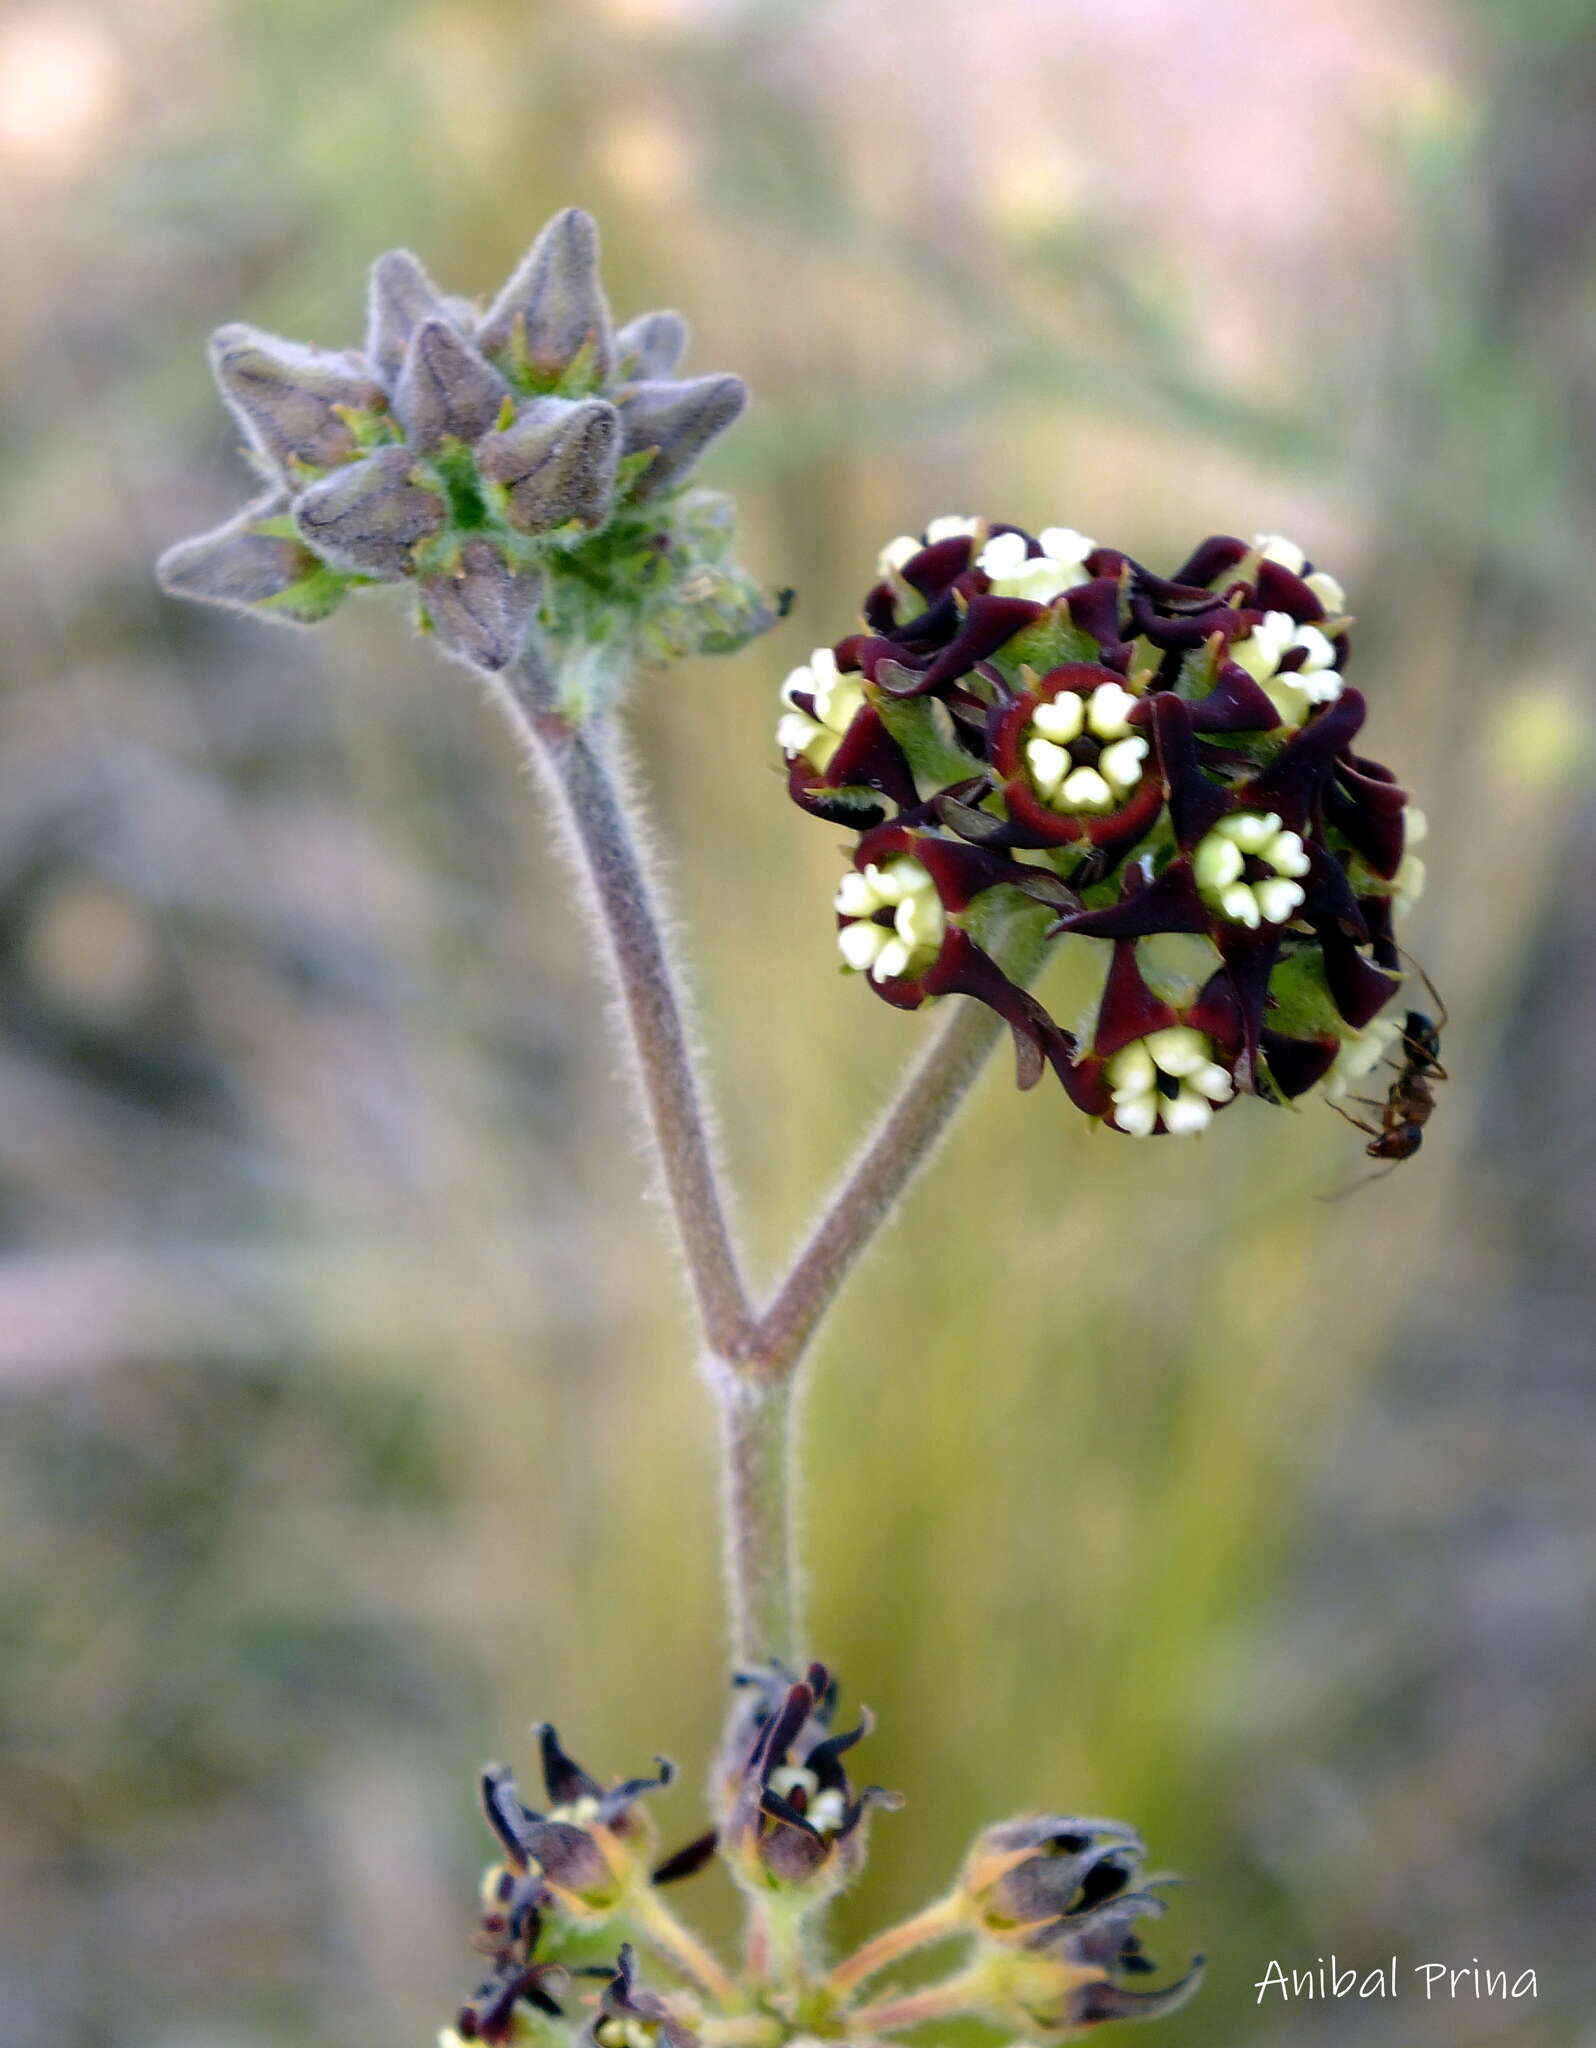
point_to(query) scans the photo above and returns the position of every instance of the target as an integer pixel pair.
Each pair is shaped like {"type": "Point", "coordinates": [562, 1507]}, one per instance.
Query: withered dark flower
{"type": "Point", "coordinates": [587, 1851]}
{"type": "Point", "coordinates": [517, 1986]}
{"type": "Point", "coordinates": [519, 464]}
{"type": "Point", "coordinates": [793, 1822]}
{"type": "Point", "coordinates": [631, 2017]}
{"type": "Point", "coordinates": [1043, 737]}
{"type": "Point", "coordinates": [1057, 1903]}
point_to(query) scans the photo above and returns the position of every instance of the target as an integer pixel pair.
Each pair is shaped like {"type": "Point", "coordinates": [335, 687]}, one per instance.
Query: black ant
{"type": "Point", "coordinates": [1410, 1102]}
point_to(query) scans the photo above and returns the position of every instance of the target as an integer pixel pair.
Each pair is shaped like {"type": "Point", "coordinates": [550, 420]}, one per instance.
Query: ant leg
{"type": "Point", "coordinates": [1363, 1181]}
{"type": "Point", "coordinates": [1443, 1017]}
{"type": "Point", "coordinates": [1357, 1122]}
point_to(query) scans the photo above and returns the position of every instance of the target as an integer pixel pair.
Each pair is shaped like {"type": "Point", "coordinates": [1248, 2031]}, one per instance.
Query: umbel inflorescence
{"type": "Point", "coordinates": [1041, 1920]}
{"type": "Point", "coordinates": [516, 465]}
{"type": "Point", "coordinates": [1040, 739]}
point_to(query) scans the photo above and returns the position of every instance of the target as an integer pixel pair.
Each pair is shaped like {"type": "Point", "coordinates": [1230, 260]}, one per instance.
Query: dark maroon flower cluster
{"type": "Point", "coordinates": [1038, 739]}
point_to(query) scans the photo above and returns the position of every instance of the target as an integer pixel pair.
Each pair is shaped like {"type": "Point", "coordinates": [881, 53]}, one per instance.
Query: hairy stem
{"type": "Point", "coordinates": [904, 1140]}
{"type": "Point", "coordinates": [682, 1949]}
{"type": "Point", "coordinates": [939, 2001]}
{"type": "Point", "coordinates": [936, 1923]}
{"type": "Point", "coordinates": [579, 765]}
{"type": "Point", "coordinates": [761, 1561]}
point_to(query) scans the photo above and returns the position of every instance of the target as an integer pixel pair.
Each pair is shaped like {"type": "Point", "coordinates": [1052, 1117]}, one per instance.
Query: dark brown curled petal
{"type": "Point", "coordinates": [1211, 559]}
{"type": "Point", "coordinates": [1250, 958]}
{"type": "Point", "coordinates": [1196, 804]}
{"type": "Point", "coordinates": [1236, 703]}
{"type": "Point", "coordinates": [688, 1860]}
{"type": "Point", "coordinates": [1329, 894]}
{"type": "Point", "coordinates": [1100, 2001]}
{"type": "Point", "coordinates": [990, 623]}
{"type": "Point", "coordinates": [1129, 1010]}
{"type": "Point", "coordinates": [1292, 783]}
{"type": "Point", "coordinates": [1377, 918]}
{"type": "Point", "coordinates": [1358, 988]}
{"type": "Point", "coordinates": [1281, 591]}
{"type": "Point", "coordinates": [870, 758]}
{"type": "Point", "coordinates": [1094, 608]}
{"type": "Point", "coordinates": [852, 809]}
{"type": "Point", "coordinates": [1217, 1012]}
{"type": "Point", "coordinates": [1294, 1065]}
{"type": "Point", "coordinates": [1170, 904]}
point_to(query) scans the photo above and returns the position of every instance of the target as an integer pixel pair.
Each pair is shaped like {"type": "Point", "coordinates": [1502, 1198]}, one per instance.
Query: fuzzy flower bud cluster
{"type": "Point", "coordinates": [523, 462]}
{"type": "Point", "coordinates": [1044, 1912]}
{"type": "Point", "coordinates": [1040, 739]}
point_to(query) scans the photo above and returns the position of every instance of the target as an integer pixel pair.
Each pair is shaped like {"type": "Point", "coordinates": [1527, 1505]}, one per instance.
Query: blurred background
{"type": "Point", "coordinates": [350, 1421]}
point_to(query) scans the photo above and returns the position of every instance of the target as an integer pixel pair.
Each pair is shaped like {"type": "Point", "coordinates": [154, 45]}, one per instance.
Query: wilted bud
{"type": "Point", "coordinates": [794, 1823]}
{"type": "Point", "coordinates": [591, 1847]}
{"type": "Point", "coordinates": [445, 389]}
{"type": "Point", "coordinates": [630, 2017]}
{"type": "Point", "coordinates": [1053, 1899]}
{"type": "Point", "coordinates": [369, 516]}
{"type": "Point", "coordinates": [651, 346]}
{"type": "Point", "coordinates": [554, 309]}
{"type": "Point", "coordinates": [254, 561]}
{"type": "Point", "coordinates": [292, 401]}
{"type": "Point", "coordinates": [676, 421]}
{"type": "Point", "coordinates": [557, 462]}
{"type": "Point", "coordinates": [481, 609]}
{"type": "Point", "coordinates": [1038, 1869]}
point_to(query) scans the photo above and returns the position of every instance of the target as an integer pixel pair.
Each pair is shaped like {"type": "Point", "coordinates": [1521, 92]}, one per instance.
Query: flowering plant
{"type": "Point", "coordinates": [1032, 741]}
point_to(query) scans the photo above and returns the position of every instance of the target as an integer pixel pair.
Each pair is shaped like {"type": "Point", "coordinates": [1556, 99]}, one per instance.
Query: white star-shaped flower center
{"type": "Point", "coordinates": [1082, 752]}
{"type": "Point", "coordinates": [1250, 868]}
{"type": "Point", "coordinates": [1015, 572]}
{"type": "Point", "coordinates": [898, 922]}
{"type": "Point", "coordinates": [1169, 1076]}
{"type": "Point", "coordinates": [837, 700]}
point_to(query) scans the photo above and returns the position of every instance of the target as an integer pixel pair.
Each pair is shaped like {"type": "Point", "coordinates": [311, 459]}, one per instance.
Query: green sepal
{"type": "Point", "coordinates": [1302, 1005]}
{"type": "Point", "coordinates": [923, 727]}
{"type": "Point", "coordinates": [1047, 644]}
{"type": "Point", "coordinates": [315, 596]}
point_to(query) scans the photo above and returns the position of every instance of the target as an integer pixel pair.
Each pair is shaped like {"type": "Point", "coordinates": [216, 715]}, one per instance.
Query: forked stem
{"type": "Point", "coordinates": [752, 1359]}
{"type": "Point", "coordinates": [936, 1923]}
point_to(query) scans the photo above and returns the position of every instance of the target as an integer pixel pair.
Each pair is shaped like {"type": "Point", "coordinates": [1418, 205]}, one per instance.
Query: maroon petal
{"type": "Point", "coordinates": [1195, 803]}
{"type": "Point", "coordinates": [1235, 704]}
{"type": "Point", "coordinates": [1129, 1009]}
{"type": "Point", "coordinates": [1291, 784]}
{"type": "Point", "coordinates": [990, 623]}
{"type": "Point", "coordinates": [1359, 989]}
{"type": "Point", "coordinates": [1297, 1064]}
{"type": "Point", "coordinates": [1171, 904]}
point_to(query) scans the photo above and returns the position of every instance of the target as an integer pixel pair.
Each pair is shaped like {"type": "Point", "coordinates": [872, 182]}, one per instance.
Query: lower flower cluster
{"type": "Point", "coordinates": [1042, 1918]}
{"type": "Point", "coordinates": [1035, 739]}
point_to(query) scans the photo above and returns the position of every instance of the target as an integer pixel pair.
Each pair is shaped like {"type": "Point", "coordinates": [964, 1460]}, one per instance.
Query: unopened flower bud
{"type": "Point", "coordinates": [399, 298]}
{"type": "Point", "coordinates": [557, 462]}
{"type": "Point", "coordinates": [481, 610]}
{"type": "Point", "coordinates": [651, 346]}
{"type": "Point", "coordinates": [369, 515]}
{"type": "Point", "coordinates": [554, 307]}
{"type": "Point", "coordinates": [677, 421]}
{"type": "Point", "coordinates": [241, 565]}
{"type": "Point", "coordinates": [445, 389]}
{"type": "Point", "coordinates": [291, 400]}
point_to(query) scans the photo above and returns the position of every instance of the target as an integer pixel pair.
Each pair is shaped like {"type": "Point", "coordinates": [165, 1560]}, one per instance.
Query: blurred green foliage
{"type": "Point", "coordinates": [350, 1414]}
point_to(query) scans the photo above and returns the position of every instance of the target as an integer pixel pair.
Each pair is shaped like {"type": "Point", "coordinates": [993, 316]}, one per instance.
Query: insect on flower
{"type": "Point", "coordinates": [1410, 1101]}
